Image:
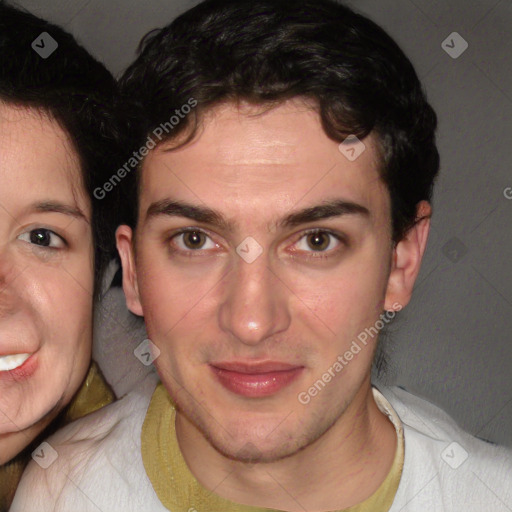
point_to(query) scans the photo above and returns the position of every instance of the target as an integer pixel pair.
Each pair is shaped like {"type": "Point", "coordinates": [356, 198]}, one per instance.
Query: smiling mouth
{"type": "Point", "coordinates": [13, 361]}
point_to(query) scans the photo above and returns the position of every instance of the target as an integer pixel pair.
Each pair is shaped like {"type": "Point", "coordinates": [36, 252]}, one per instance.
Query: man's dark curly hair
{"type": "Point", "coordinates": [80, 94]}
{"type": "Point", "coordinates": [268, 51]}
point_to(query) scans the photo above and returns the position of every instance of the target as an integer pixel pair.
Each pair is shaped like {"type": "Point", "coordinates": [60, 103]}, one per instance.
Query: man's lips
{"type": "Point", "coordinates": [258, 379]}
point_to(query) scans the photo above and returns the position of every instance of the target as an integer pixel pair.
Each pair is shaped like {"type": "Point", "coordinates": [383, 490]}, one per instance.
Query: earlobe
{"type": "Point", "coordinates": [407, 257]}
{"type": "Point", "coordinates": [124, 242]}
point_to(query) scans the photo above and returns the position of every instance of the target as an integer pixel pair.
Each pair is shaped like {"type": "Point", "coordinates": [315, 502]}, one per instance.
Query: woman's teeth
{"type": "Point", "coordinates": [12, 362]}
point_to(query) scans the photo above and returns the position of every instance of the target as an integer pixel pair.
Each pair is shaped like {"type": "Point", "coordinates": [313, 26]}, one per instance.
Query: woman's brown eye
{"type": "Point", "coordinates": [194, 239]}
{"type": "Point", "coordinates": [44, 238]}
{"type": "Point", "coordinates": [41, 237]}
{"type": "Point", "coordinates": [318, 241]}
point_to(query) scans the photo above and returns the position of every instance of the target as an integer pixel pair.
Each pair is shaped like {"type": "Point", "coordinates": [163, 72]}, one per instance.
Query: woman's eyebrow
{"type": "Point", "coordinates": [58, 207]}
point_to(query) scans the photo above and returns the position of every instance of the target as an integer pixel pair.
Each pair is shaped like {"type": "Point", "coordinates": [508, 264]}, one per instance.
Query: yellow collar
{"type": "Point", "coordinates": [179, 491]}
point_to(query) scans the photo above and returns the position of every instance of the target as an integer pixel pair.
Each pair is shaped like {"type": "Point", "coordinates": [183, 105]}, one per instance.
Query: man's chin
{"type": "Point", "coordinates": [251, 448]}
{"type": "Point", "coordinates": [249, 453]}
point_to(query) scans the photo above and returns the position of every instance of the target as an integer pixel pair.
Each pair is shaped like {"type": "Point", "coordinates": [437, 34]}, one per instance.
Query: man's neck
{"type": "Point", "coordinates": [341, 469]}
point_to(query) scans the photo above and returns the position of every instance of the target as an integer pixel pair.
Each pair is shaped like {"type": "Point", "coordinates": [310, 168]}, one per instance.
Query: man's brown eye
{"type": "Point", "coordinates": [318, 241]}
{"type": "Point", "coordinates": [194, 239]}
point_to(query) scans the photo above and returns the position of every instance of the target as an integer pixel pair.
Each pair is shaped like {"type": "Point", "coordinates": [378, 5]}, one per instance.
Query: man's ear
{"type": "Point", "coordinates": [125, 246]}
{"type": "Point", "coordinates": [407, 256]}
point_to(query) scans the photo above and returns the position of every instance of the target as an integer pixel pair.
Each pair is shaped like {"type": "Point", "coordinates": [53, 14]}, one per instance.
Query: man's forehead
{"type": "Point", "coordinates": [267, 162]}
{"type": "Point", "coordinates": [245, 134]}
{"type": "Point", "coordinates": [249, 135]}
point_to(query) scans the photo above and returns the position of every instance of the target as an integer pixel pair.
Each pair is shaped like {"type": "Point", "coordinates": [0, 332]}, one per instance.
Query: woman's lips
{"type": "Point", "coordinates": [12, 361]}
{"type": "Point", "coordinates": [24, 367]}
{"type": "Point", "coordinates": [255, 380]}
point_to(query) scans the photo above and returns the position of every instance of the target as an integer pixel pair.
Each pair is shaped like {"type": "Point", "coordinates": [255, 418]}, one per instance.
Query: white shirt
{"type": "Point", "coordinates": [99, 465]}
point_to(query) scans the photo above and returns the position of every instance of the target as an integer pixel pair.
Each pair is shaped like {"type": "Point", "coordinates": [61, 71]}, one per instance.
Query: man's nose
{"type": "Point", "coordinates": [255, 304]}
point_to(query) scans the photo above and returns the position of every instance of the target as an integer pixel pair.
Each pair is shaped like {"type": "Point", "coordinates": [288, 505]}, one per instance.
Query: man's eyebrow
{"type": "Point", "coordinates": [58, 207]}
{"type": "Point", "coordinates": [170, 208]}
{"type": "Point", "coordinates": [326, 210]}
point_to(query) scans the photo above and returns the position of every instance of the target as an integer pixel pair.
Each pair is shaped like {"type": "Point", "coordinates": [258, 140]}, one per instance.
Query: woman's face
{"type": "Point", "coordinates": [46, 275]}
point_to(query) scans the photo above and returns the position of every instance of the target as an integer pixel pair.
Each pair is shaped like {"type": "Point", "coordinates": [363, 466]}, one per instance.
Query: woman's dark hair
{"type": "Point", "coordinates": [267, 51]}
{"type": "Point", "coordinates": [80, 94]}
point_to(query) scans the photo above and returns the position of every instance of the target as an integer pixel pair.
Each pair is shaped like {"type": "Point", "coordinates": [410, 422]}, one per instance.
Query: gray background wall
{"type": "Point", "coordinates": [453, 344]}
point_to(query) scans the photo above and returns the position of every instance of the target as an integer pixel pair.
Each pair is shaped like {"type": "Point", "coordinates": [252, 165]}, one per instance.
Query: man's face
{"type": "Point", "coordinates": [241, 334]}
{"type": "Point", "coordinates": [46, 275]}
